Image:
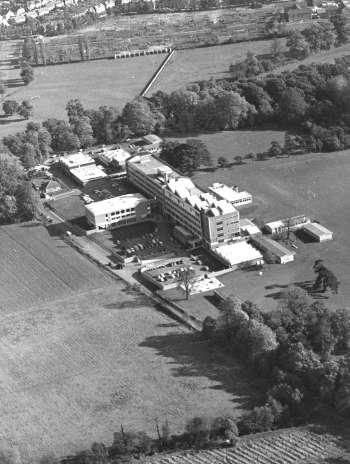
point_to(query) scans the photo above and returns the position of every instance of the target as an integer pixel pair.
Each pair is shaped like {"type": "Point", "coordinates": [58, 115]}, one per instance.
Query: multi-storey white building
{"type": "Point", "coordinates": [212, 221]}
{"type": "Point", "coordinates": [118, 211]}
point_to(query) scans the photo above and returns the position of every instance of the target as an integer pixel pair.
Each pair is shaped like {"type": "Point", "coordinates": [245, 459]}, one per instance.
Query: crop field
{"type": "Point", "coordinates": [95, 83]}
{"type": "Point", "coordinates": [313, 184]}
{"type": "Point", "coordinates": [81, 354]}
{"type": "Point", "coordinates": [36, 268]}
{"type": "Point", "coordinates": [296, 446]}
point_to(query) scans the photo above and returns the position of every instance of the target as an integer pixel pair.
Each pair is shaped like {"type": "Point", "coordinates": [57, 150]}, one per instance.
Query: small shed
{"type": "Point", "coordinates": [318, 232]}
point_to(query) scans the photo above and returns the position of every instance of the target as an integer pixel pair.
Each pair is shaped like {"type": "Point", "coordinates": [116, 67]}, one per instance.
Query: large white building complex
{"type": "Point", "coordinates": [81, 167]}
{"type": "Point", "coordinates": [212, 221]}
{"type": "Point", "coordinates": [118, 211]}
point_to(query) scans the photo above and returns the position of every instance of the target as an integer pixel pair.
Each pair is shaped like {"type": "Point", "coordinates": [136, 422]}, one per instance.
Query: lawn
{"type": "Point", "coordinates": [95, 83]}
{"type": "Point", "coordinates": [314, 184]}
{"type": "Point", "coordinates": [239, 142]}
{"type": "Point", "coordinates": [193, 65]}
{"type": "Point", "coordinates": [81, 354]}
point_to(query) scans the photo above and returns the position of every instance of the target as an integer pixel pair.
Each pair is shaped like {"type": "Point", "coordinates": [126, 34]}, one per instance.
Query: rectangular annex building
{"type": "Point", "coordinates": [213, 221]}
{"type": "Point", "coordinates": [318, 232]}
{"type": "Point", "coordinates": [267, 245]}
{"type": "Point", "coordinates": [231, 194]}
{"type": "Point", "coordinates": [118, 211]}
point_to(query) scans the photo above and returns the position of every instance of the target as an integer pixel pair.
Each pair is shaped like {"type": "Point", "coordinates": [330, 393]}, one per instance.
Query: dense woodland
{"type": "Point", "coordinates": [302, 349]}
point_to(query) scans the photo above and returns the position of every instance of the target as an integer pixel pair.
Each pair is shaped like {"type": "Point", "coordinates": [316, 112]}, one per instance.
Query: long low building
{"type": "Point", "coordinates": [231, 194]}
{"type": "Point", "coordinates": [318, 232]}
{"type": "Point", "coordinates": [282, 225]}
{"type": "Point", "coordinates": [118, 211]}
{"type": "Point", "coordinates": [267, 245]}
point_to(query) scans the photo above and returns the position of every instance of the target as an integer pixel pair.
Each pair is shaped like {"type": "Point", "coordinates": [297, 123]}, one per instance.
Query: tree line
{"type": "Point", "coordinates": [301, 349]}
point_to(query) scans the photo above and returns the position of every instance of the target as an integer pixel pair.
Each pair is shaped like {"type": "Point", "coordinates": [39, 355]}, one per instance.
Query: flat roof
{"type": "Point", "coordinates": [130, 200]}
{"type": "Point", "coordinates": [76, 159]}
{"type": "Point", "coordinates": [88, 172]}
{"type": "Point", "coordinates": [249, 226]}
{"type": "Point", "coordinates": [228, 193]}
{"type": "Point", "coordinates": [239, 252]}
{"type": "Point", "coordinates": [182, 186]}
{"type": "Point", "coordinates": [118, 154]}
{"type": "Point", "coordinates": [273, 246]}
{"type": "Point", "coordinates": [317, 229]}
{"type": "Point", "coordinates": [152, 138]}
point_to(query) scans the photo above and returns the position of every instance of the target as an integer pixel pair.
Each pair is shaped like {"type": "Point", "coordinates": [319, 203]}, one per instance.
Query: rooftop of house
{"type": "Point", "coordinates": [128, 201]}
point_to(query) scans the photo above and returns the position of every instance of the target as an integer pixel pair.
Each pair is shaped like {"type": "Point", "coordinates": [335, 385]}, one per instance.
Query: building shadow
{"type": "Point", "coordinates": [191, 356]}
{"type": "Point", "coordinates": [303, 236]}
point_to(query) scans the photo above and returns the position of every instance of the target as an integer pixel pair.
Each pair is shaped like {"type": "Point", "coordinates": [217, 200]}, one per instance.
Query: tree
{"type": "Point", "coordinates": [28, 155]}
{"type": "Point", "coordinates": [186, 157]}
{"type": "Point", "coordinates": [27, 73]}
{"type": "Point", "coordinates": [75, 110]}
{"type": "Point", "coordinates": [292, 105]}
{"type": "Point", "coordinates": [186, 279]}
{"type": "Point", "coordinates": [222, 161]}
{"type": "Point", "coordinates": [340, 25]}
{"type": "Point", "coordinates": [238, 159]}
{"type": "Point", "coordinates": [320, 36]}
{"type": "Point", "coordinates": [63, 138]}
{"type": "Point", "coordinates": [297, 44]}
{"type": "Point", "coordinates": [25, 109]}
{"type": "Point", "coordinates": [140, 118]}
{"type": "Point", "coordinates": [82, 128]}
{"type": "Point", "coordinates": [26, 202]}
{"type": "Point", "coordinates": [10, 107]}
{"type": "Point", "coordinates": [276, 49]}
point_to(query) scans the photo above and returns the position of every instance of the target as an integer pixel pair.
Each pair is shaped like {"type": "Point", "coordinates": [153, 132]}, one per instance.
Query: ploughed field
{"type": "Point", "coordinates": [81, 353]}
{"type": "Point", "coordinates": [36, 268]}
{"type": "Point", "coordinates": [292, 446]}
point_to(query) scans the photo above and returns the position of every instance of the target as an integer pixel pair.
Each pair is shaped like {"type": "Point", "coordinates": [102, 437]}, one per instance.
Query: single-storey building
{"type": "Point", "coordinates": [267, 245]}
{"type": "Point", "coordinates": [231, 194]}
{"type": "Point", "coordinates": [239, 253]}
{"type": "Point", "coordinates": [318, 232]}
{"type": "Point", "coordinates": [75, 160]}
{"type": "Point", "coordinates": [282, 225]}
{"type": "Point", "coordinates": [248, 227]}
{"type": "Point", "coordinates": [118, 211]}
{"type": "Point", "coordinates": [51, 187]}
{"type": "Point", "coordinates": [115, 156]}
{"type": "Point", "coordinates": [85, 174]}
{"type": "Point", "coordinates": [165, 274]}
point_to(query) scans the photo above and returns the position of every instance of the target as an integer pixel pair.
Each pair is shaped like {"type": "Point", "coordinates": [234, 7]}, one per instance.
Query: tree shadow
{"type": "Point", "coordinates": [306, 285]}
{"type": "Point", "coordinates": [3, 122]}
{"type": "Point", "coordinates": [191, 356]}
{"type": "Point", "coordinates": [11, 83]}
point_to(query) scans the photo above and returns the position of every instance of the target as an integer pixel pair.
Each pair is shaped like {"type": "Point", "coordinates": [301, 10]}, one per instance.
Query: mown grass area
{"type": "Point", "coordinates": [312, 184]}
{"type": "Point", "coordinates": [193, 65]}
{"type": "Point", "coordinates": [95, 83]}
{"type": "Point", "coordinates": [236, 143]}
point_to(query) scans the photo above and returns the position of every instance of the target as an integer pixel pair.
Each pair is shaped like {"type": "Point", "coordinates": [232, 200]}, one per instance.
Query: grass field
{"type": "Point", "coordinates": [95, 83]}
{"type": "Point", "coordinates": [239, 142]}
{"type": "Point", "coordinates": [189, 66]}
{"type": "Point", "coordinates": [314, 184]}
{"type": "Point", "coordinates": [81, 354]}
